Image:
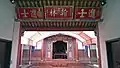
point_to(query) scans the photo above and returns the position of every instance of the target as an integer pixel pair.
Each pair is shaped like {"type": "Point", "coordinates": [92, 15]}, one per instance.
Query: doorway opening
{"type": "Point", "coordinates": [60, 45]}
{"type": "Point", "coordinates": [113, 48]}
{"type": "Point", "coordinates": [85, 50]}
{"type": "Point", "coordinates": [5, 51]}
{"type": "Point", "coordinates": [59, 50]}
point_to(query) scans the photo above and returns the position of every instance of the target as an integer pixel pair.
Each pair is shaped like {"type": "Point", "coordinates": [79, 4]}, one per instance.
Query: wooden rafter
{"type": "Point", "coordinates": [88, 39]}
{"type": "Point", "coordinates": [89, 42]}
{"type": "Point", "coordinates": [58, 24]}
{"type": "Point", "coordinates": [41, 3]}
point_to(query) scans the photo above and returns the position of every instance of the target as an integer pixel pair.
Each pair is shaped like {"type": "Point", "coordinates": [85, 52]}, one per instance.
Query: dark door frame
{"type": "Point", "coordinates": [54, 48]}
{"type": "Point", "coordinates": [7, 55]}
{"type": "Point", "coordinates": [109, 51]}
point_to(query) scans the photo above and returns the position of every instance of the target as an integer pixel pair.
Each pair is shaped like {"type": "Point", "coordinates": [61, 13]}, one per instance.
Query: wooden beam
{"type": "Point", "coordinates": [57, 29]}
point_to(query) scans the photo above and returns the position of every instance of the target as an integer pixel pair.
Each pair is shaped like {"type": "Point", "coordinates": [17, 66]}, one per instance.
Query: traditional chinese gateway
{"type": "Point", "coordinates": [58, 15]}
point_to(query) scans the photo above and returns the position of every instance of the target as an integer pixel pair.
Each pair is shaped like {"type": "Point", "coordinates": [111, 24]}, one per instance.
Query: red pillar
{"type": "Point", "coordinates": [77, 52]}
{"type": "Point", "coordinates": [42, 50]}
{"type": "Point", "coordinates": [19, 53]}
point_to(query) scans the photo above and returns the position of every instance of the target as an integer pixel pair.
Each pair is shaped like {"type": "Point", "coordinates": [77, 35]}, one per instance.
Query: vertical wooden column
{"type": "Point", "coordinates": [30, 44]}
{"type": "Point", "coordinates": [19, 48]}
{"type": "Point", "coordinates": [20, 55]}
{"type": "Point", "coordinates": [77, 56]}
{"type": "Point", "coordinates": [42, 50]}
{"type": "Point", "coordinates": [75, 49]}
{"type": "Point", "coordinates": [98, 45]}
{"type": "Point", "coordinates": [51, 50]}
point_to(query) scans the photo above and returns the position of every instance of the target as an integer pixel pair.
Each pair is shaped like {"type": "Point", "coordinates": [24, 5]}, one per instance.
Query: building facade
{"type": "Point", "coordinates": [108, 29]}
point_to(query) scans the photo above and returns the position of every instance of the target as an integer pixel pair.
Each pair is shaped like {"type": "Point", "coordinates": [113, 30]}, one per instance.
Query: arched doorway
{"type": "Point", "coordinates": [59, 50]}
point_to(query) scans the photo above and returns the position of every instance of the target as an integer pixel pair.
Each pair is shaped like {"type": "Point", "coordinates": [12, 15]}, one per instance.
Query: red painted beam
{"type": "Point", "coordinates": [58, 29]}
{"type": "Point", "coordinates": [90, 41]}
{"type": "Point", "coordinates": [84, 36]}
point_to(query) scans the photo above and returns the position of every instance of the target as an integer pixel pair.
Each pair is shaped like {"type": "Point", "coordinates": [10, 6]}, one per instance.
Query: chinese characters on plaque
{"type": "Point", "coordinates": [26, 13]}
{"type": "Point", "coordinates": [56, 12]}
{"type": "Point", "coordinates": [59, 12]}
{"type": "Point", "coordinates": [87, 13]}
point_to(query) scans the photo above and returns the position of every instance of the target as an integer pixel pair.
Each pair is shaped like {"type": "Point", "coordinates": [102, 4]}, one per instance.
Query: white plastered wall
{"type": "Point", "coordinates": [15, 42]}
{"type": "Point", "coordinates": [7, 13]}
{"type": "Point", "coordinates": [110, 27]}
